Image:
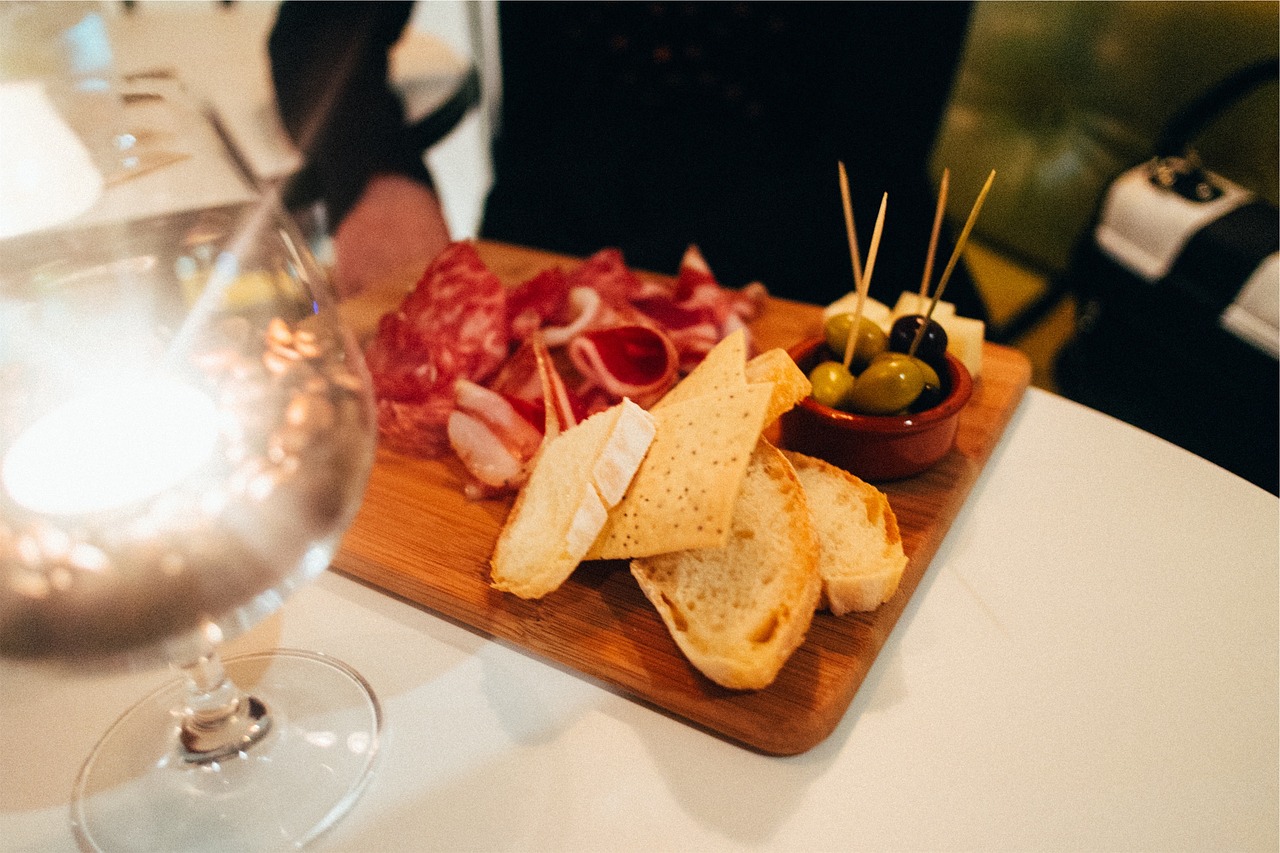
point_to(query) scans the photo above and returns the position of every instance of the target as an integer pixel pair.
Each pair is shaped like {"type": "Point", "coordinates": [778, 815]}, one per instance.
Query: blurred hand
{"type": "Point", "coordinates": [391, 233]}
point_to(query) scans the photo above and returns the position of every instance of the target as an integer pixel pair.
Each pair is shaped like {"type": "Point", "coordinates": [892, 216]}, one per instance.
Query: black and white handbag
{"type": "Point", "coordinates": [1178, 295]}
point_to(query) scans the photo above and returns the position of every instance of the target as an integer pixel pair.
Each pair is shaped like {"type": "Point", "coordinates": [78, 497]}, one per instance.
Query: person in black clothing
{"type": "Point", "coordinates": [650, 126]}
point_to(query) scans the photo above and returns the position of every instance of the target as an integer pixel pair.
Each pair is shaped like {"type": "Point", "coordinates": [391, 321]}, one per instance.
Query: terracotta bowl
{"type": "Point", "coordinates": [875, 447]}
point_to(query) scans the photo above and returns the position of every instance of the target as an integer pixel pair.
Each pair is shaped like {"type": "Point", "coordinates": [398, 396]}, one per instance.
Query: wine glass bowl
{"type": "Point", "coordinates": [186, 431]}
{"type": "Point", "coordinates": [183, 431]}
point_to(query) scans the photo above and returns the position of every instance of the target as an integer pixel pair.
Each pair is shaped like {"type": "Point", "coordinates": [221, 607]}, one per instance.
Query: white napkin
{"type": "Point", "coordinates": [46, 174]}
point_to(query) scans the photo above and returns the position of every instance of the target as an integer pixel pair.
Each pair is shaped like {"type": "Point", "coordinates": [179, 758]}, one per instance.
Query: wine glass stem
{"type": "Point", "coordinates": [219, 720]}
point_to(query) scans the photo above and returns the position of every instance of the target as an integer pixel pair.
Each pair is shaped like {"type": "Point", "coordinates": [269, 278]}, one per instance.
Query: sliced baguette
{"type": "Point", "coordinates": [790, 385]}
{"type": "Point", "coordinates": [577, 477]}
{"type": "Point", "coordinates": [862, 557]}
{"type": "Point", "coordinates": [738, 611]}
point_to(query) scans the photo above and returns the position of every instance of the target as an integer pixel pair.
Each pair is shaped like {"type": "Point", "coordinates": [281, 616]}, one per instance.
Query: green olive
{"type": "Point", "coordinates": [832, 383]}
{"type": "Point", "coordinates": [889, 384]}
{"type": "Point", "coordinates": [836, 330]}
{"type": "Point", "coordinates": [870, 342]}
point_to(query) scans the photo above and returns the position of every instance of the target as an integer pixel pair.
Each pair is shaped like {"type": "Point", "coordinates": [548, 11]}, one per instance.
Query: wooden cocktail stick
{"type": "Point", "coordinates": [851, 232]}
{"type": "Point", "coordinates": [933, 236]}
{"type": "Point", "coordinates": [955, 257]}
{"type": "Point", "coordinates": [864, 284]}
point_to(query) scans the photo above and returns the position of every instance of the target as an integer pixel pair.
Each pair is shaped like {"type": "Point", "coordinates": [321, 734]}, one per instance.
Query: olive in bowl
{"type": "Point", "coordinates": [875, 447]}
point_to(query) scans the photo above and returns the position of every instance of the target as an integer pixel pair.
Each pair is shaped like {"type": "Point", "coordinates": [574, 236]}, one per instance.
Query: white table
{"type": "Point", "coordinates": [1090, 663]}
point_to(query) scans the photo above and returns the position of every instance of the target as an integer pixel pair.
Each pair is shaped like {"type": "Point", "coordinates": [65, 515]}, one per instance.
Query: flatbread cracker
{"type": "Point", "coordinates": [723, 367]}
{"type": "Point", "coordinates": [683, 495]}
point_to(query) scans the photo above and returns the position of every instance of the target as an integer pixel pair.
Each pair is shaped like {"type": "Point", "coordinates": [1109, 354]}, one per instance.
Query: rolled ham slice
{"type": "Point", "coordinates": [636, 361]}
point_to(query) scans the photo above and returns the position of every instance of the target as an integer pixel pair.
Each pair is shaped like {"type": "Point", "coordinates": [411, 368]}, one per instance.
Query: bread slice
{"type": "Point", "coordinates": [738, 611]}
{"type": "Point", "coordinates": [577, 477]}
{"type": "Point", "coordinates": [862, 557]}
{"type": "Point", "coordinates": [790, 385]}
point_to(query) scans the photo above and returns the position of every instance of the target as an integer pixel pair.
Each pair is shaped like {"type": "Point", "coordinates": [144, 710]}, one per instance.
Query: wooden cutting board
{"type": "Point", "coordinates": [417, 537]}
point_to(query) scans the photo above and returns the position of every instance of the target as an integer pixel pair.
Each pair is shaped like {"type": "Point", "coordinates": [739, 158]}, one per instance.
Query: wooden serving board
{"type": "Point", "coordinates": [417, 537]}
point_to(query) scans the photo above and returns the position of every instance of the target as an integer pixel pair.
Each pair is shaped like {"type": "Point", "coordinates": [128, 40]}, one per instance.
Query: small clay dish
{"type": "Point", "coordinates": [875, 447]}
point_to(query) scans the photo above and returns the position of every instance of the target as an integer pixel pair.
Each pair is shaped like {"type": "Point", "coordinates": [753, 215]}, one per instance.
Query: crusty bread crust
{"type": "Point", "coordinates": [738, 611]}
{"type": "Point", "coordinates": [862, 556]}
{"type": "Point", "coordinates": [790, 385]}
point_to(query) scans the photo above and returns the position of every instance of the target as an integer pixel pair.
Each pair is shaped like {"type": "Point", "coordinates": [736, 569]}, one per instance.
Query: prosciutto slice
{"type": "Point", "coordinates": [639, 362]}
{"type": "Point", "coordinates": [607, 273]}
{"type": "Point", "coordinates": [698, 312]}
{"type": "Point", "coordinates": [536, 302]}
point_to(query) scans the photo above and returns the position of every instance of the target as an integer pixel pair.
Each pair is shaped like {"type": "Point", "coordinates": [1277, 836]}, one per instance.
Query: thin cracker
{"type": "Point", "coordinates": [722, 367]}
{"type": "Point", "coordinates": [682, 497]}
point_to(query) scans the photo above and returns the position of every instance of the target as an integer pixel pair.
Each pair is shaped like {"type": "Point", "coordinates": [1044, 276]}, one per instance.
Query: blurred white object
{"type": "Point", "coordinates": [47, 175]}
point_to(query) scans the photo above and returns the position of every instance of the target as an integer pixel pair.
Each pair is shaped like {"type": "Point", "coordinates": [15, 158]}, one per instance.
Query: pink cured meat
{"type": "Point", "coordinates": [616, 334]}
{"type": "Point", "coordinates": [639, 362]}
{"type": "Point", "coordinates": [535, 302]}
{"type": "Point", "coordinates": [698, 312]}
{"type": "Point", "coordinates": [607, 273]}
{"type": "Point", "coordinates": [452, 326]}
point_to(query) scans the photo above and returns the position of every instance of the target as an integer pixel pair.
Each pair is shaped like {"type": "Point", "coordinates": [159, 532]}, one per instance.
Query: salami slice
{"type": "Point", "coordinates": [453, 325]}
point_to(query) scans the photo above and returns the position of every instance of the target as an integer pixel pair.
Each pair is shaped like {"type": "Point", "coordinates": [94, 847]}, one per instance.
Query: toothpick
{"type": "Point", "coordinates": [875, 245]}
{"type": "Point", "coordinates": [851, 232]}
{"type": "Point", "coordinates": [864, 285]}
{"type": "Point", "coordinates": [955, 257]}
{"type": "Point", "coordinates": [933, 236]}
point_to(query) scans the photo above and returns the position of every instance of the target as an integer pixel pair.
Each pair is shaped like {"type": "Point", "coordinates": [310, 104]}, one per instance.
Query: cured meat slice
{"type": "Point", "coordinates": [508, 424]}
{"type": "Point", "coordinates": [607, 273]}
{"type": "Point", "coordinates": [698, 312]}
{"type": "Point", "coordinates": [585, 305]}
{"type": "Point", "coordinates": [639, 362]}
{"type": "Point", "coordinates": [534, 303]}
{"type": "Point", "coordinates": [520, 381]}
{"type": "Point", "coordinates": [493, 441]}
{"type": "Point", "coordinates": [558, 414]}
{"type": "Point", "coordinates": [453, 325]}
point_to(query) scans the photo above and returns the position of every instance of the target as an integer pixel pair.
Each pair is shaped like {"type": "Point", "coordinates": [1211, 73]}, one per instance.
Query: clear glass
{"type": "Point", "coordinates": [186, 431]}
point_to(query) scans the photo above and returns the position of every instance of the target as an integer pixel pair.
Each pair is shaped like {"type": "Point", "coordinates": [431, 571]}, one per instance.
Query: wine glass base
{"type": "Point", "coordinates": [137, 791]}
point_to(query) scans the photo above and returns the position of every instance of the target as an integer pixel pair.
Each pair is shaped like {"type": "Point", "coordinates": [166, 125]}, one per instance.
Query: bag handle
{"type": "Point", "coordinates": [1187, 123]}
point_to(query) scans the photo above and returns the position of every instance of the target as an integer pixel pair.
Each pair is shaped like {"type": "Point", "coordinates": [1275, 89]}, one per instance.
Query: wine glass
{"type": "Point", "coordinates": [186, 431]}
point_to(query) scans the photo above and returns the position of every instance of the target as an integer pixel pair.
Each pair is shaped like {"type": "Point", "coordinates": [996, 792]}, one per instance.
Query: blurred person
{"type": "Point", "coordinates": [647, 126]}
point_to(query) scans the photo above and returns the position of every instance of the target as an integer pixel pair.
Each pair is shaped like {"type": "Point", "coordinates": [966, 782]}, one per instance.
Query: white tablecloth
{"type": "Point", "coordinates": [1090, 663]}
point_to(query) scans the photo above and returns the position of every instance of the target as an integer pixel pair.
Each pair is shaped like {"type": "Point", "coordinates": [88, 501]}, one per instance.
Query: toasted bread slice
{"type": "Point", "coordinates": [790, 385]}
{"type": "Point", "coordinates": [862, 557]}
{"type": "Point", "coordinates": [738, 611]}
{"type": "Point", "coordinates": [577, 477]}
